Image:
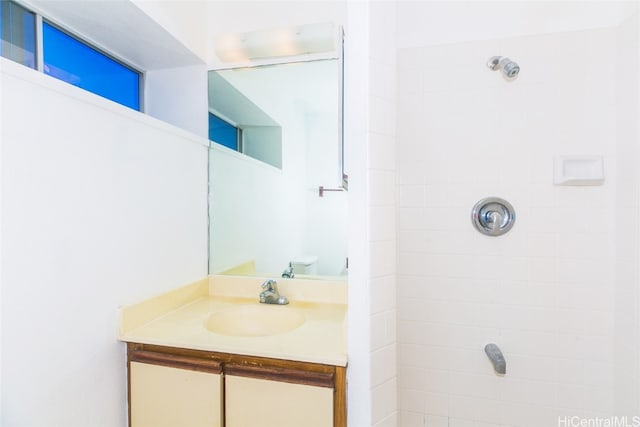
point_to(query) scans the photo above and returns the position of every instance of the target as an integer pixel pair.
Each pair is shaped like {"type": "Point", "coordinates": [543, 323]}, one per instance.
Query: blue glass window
{"type": "Point", "coordinates": [222, 132]}
{"type": "Point", "coordinates": [18, 34]}
{"type": "Point", "coordinates": [68, 59]}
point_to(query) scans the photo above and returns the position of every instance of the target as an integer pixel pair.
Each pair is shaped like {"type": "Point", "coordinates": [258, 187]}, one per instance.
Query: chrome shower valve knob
{"type": "Point", "coordinates": [493, 216]}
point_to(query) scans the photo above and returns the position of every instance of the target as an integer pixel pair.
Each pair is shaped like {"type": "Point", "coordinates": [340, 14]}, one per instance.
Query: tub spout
{"type": "Point", "coordinates": [497, 358]}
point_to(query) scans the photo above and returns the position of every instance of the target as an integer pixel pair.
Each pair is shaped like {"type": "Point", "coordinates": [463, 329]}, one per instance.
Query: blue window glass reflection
{"type": "Point", "coordinates": [222, 132]}
{"type": "Point", "coordinates": [17, 34]}
{"type": "Point", "coordinates": [72, 61]}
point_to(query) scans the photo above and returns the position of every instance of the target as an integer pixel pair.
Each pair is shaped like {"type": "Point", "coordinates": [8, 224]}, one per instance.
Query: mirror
{"type": "Point", "coordinates": [281, 140]}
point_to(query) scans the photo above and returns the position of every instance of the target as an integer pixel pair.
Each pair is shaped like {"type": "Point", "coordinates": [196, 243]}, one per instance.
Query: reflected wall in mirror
{"type": "Point", "coordinates": [265, 209]}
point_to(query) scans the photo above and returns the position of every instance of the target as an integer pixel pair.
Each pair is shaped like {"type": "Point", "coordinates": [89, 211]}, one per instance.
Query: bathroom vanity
{"type": "Point", "coordinates": [208, 354]}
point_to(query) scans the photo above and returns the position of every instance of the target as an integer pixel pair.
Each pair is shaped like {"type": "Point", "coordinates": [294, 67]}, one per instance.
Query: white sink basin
{"type": "Point", "coordinates": [254, 320]}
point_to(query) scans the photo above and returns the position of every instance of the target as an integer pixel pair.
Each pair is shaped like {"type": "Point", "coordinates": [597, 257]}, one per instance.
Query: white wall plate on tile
{"type": "Point", "coordinates": [578, 170]}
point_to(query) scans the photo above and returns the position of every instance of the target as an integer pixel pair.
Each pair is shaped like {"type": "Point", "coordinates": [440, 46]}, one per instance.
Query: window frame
{"type": "Point", "coordinates": [40, 19]}
{"type": "Point", "coordinates": [98, 50]}
{"type": "Point", "coordinates": [9, 9]}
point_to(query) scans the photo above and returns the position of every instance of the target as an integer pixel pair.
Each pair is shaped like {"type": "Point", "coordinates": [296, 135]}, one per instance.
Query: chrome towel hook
{"type": "Point", "coordinates": [322, 190]}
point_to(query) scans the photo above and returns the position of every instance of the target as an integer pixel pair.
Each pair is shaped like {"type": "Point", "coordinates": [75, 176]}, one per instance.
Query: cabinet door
{"type": "Point", "coordinates": [251, 402]}
{"type": "Point", "coordinates": [164, 396]}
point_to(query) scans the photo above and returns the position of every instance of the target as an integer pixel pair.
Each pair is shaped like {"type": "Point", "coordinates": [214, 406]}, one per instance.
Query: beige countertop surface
{"type": "Point", "coordinates": [178, 319]}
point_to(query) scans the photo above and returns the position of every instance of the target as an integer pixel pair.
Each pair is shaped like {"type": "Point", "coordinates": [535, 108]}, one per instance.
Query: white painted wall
{"type": "Point", "coordinates": [101, 206]}
{"type": "Point", "coordinates": [545, 292]}
{"type": "Point", "coordinates": [179, 96]}
{"type": "Point", "coordinates": [186, 21]}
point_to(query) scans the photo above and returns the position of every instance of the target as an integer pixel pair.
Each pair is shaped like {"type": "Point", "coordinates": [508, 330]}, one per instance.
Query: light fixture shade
{"type": "Point", "coordinates": [280, 42]}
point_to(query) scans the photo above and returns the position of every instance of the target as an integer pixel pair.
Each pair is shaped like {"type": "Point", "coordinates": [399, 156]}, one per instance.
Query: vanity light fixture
{"type": "Point", "coordinates": [279, 42]}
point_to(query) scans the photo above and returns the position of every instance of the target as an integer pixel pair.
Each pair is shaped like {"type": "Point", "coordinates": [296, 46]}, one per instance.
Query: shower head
{"type": "Point", "coordinates": [509, 68]}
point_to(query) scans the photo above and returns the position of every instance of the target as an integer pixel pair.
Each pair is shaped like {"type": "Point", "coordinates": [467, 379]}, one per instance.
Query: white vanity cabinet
{"type": "Point", "coordinates": [183, 387]}
{"type": "Point", "coordinates": [164, 396]}
{"type": "Point", "coordinates": [172, 390]}
{"type": "Point", "coordinates": [253, 402]}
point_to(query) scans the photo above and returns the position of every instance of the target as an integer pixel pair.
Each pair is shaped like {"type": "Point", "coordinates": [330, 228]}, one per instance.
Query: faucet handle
{"type": "Point", "coordinates": [270, 285]}
{"type": "Point", "coordinates": [270, 294]}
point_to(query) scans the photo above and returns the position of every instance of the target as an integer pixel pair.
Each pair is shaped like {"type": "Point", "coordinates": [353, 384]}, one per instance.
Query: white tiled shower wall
{"type": "Point", "coordinates": [382, 212]}
{"type": "Point", "coordinates": [546, 291]}
{"type": "Point", "coordinates": [627, 214]}
{"type": "Point", "coordinates": [370, 109]}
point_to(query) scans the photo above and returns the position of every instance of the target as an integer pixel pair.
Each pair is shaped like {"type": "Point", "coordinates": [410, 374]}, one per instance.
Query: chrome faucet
{"type": "Point", "coordinates": [288, 272]}
{"type": "Point", "coordinates": [270, 294]}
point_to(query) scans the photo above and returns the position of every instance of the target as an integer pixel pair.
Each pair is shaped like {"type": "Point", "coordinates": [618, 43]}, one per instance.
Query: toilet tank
{"type": "Point", "coordinates": [305, 264]}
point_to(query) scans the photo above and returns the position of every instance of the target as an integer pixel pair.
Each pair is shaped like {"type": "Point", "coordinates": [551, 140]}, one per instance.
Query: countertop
{"type": "Point", "coordinates": [177, 319]}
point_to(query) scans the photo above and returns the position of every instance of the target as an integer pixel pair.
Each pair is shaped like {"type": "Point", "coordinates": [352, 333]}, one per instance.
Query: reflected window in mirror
{"type": "Point", "coordinates": [257, 133]}
{"type": "Point", "coordinates": [224, 133]}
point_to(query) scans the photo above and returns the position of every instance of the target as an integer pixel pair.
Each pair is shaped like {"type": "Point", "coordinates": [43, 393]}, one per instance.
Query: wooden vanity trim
{"type": "Point", "coordinates": [305, 373]}
{"type": "Point", "coordinates": [287, 375]}
{"type": "Point", "coordinates": [340, 397]}
{"type": "Point", "coordinates": [175, 361]}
